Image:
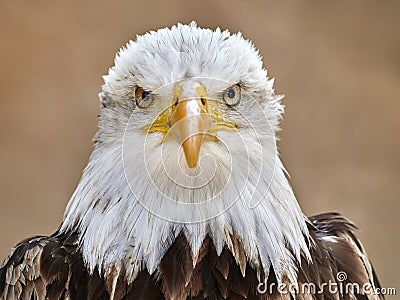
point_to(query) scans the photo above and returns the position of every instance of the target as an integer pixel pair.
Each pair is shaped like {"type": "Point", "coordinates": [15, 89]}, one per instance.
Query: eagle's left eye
{"type": "Point", "coordinates": [143, 98]}
{"type": "Point", "coordinates": [232, 95]}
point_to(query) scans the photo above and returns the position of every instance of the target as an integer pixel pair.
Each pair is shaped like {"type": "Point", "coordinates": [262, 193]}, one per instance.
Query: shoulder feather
{"type": "Point", "coordinates": [336, 241]}
{"type": "Point", "coordinates": [48, 268]}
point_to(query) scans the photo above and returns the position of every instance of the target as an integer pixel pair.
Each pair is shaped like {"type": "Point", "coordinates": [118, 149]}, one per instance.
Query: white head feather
{"type": "Point", "coordinates": [137, 195]}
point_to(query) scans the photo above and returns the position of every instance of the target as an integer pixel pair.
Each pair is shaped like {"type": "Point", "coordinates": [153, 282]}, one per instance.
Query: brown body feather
{"type": "Point", "coordinates": [52, 268]}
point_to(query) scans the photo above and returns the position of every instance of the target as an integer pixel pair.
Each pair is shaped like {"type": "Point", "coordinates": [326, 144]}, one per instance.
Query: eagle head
{"type": "Point", "coordinates": [195, 116]}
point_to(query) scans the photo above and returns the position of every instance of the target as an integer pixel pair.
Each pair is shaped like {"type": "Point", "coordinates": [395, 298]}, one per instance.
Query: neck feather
{"type": "Point", "coordinates": [118, 231]}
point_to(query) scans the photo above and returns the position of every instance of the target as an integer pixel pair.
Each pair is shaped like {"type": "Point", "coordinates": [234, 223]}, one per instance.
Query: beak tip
{"type": "Point", "coordinates": [192, 164]}
{"type": "Point", "coordinates": [191, 149]}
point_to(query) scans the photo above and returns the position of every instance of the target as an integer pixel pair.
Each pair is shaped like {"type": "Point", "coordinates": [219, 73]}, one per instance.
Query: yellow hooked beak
{"type": "Point", "coordinates": [190, 119]}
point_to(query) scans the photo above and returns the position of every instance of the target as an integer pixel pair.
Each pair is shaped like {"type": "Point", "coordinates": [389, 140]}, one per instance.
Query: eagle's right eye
{"type": "Point", "coordinates": [143, 98]}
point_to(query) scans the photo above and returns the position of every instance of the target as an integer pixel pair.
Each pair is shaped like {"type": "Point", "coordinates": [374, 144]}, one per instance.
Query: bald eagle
{"type": "Point", "coordinates": [184, 195]}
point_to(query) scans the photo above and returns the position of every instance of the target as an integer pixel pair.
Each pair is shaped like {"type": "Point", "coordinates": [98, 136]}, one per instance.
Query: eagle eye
{"type": "Point", "coordinates": [232, 95]}
{"type": "Point", "coordinates": [143, 98]}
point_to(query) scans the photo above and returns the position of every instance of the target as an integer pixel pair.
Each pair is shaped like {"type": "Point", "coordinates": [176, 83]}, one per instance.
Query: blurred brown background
{"type": "Point", "coordinates": [337, 62]}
